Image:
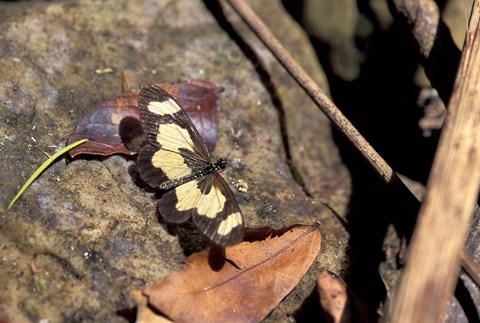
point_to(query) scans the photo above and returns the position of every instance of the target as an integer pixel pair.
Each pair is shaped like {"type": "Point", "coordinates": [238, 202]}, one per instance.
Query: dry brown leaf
{"type": "Point", "coordinates": [101, 127]}
{"type": "Point", "coordinates": [239, 283]}
{"type": "Point", "coordinates": [332, 292]}
{"type": "Point", "coordinates": [144, 313]}
{"type": "Point", "coordinates": [113, 126]}
{"type": "Point", "coordinates": [340, 305]}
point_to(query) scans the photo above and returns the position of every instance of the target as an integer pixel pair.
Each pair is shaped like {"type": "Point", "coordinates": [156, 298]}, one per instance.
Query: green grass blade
{"type": "Point", "coordinates": [47, 163]}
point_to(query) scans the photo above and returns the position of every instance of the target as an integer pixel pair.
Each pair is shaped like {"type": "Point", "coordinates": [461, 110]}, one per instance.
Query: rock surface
{"type": "Point", "coordinates": [86, 233]}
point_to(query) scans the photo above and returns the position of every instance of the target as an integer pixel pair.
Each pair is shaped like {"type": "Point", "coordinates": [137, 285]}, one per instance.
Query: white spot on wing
{"type": "Point", "coordinates": [228, 224]}
{"type": "Point", "coordinates": [212, 203]}
{"type": "Point", "coordinates": [163, 108]}
{"type": "Point", "coordinates": [172, 164]}
{"type": "Point", "coordinates": [189, 196]}
{"type": "Point", "coordinates": [172, 137]}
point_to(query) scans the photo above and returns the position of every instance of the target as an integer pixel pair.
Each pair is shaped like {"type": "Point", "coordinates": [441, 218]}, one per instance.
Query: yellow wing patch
{"type": "Point", "coordinates": [189, 197]}
{"type": "Point", "coordinates": [172, 137]}
{"type": "Point", "coordinates": [163, 108]}
{"type": "Point", "coordinates": [212, 203]}
{"type": "Point", "coordinates": [228, 224]}
{"type": "Point", "coordinates": [171, 163]}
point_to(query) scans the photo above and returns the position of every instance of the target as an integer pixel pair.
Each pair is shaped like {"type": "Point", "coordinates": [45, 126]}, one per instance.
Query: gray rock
{"type": "Point", "coordinates": [86, 233]}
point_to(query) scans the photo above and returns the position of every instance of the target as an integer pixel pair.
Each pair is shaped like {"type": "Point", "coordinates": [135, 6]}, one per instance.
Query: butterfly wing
{"type": "Point", "coordinates": [218, 215]}
{"type": "Point", "coordinates": [211, 204]}
{"type": "Point", "coordinates": [178, 204]}
{"type": "Point", "coordinates": [175, 149]}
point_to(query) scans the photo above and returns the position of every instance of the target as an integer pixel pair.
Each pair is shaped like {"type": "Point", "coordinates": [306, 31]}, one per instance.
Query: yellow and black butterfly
{"type": "Point", "coordinates": [176, 159]}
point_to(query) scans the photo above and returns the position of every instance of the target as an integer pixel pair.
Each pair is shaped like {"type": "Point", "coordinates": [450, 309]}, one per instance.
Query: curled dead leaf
{"type": "Point", "coordinates": [239, 283]}
{"type": "Point", "coordinates": [332, 292]}
{"type": "Point", "coordinates": [101, 126]}
{"type": "Point", "coordinates": [338, 303]}
{"type": "Point", "coordinates": [113, 126]}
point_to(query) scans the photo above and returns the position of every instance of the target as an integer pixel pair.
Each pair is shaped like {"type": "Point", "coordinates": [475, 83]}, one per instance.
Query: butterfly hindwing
{"type": "Point", "coordinates": [211, 204]}
{"type": "Point", "coordinates": [169, 207]}
{"type": "Point", "coordinates": [176, 149]}
{"type": "Point", "coordinates": [218, 215]}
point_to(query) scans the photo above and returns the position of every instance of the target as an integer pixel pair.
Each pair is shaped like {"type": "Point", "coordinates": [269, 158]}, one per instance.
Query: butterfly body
{"type": "Point", "coordinates": [176, 159]}
{"type": "Point", "coordinates": [210, 168]}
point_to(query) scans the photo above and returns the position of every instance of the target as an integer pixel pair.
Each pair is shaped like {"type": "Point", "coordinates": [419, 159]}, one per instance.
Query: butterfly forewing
{"type": "Point", "coordinates": [176, 149]}
{"type": "Point", "coordinates": [155, 173]}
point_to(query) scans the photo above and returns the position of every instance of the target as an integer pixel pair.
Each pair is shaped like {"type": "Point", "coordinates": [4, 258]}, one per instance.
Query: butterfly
{"type": "Point", "coordinates": [175, 159]}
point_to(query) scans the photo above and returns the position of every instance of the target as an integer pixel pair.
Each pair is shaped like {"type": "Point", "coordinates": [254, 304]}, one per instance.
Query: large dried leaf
{"type": "Point", "coordinates": [239, 283]}
{"type": "Point", "coordinates": [113, 126]}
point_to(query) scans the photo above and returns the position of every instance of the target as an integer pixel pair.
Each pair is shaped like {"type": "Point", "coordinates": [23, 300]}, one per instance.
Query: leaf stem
{"type": "Point", "coordinates": [47, 163]}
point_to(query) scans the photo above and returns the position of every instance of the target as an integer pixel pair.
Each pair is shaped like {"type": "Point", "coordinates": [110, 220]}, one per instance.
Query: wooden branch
{"type": "Point", "coordinates": [440, 56]}
{"type": "Point", "coordinates": [343, 125]}
{"type": "Point", "coordinates": [433, 261]}
{"type": "Point", "coordinates": [322, 101]}
{"type": "Point", "coordinates": [470, 266]}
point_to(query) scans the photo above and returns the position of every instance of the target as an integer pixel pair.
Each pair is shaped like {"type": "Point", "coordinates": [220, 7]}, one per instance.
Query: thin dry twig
{"type": "Point", "coordinates": [342, 124]}
{"type": "Point", "coordinates": [470, 266]}
{"type": "Point", "coordinates": [314, 91]}
{"type": "Point", "coordinates": [433, 262]}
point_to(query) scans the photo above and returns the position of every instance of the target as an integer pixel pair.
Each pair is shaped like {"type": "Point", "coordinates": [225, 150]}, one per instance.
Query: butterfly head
{"type": "Point", "coordinates": [220, 164]}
